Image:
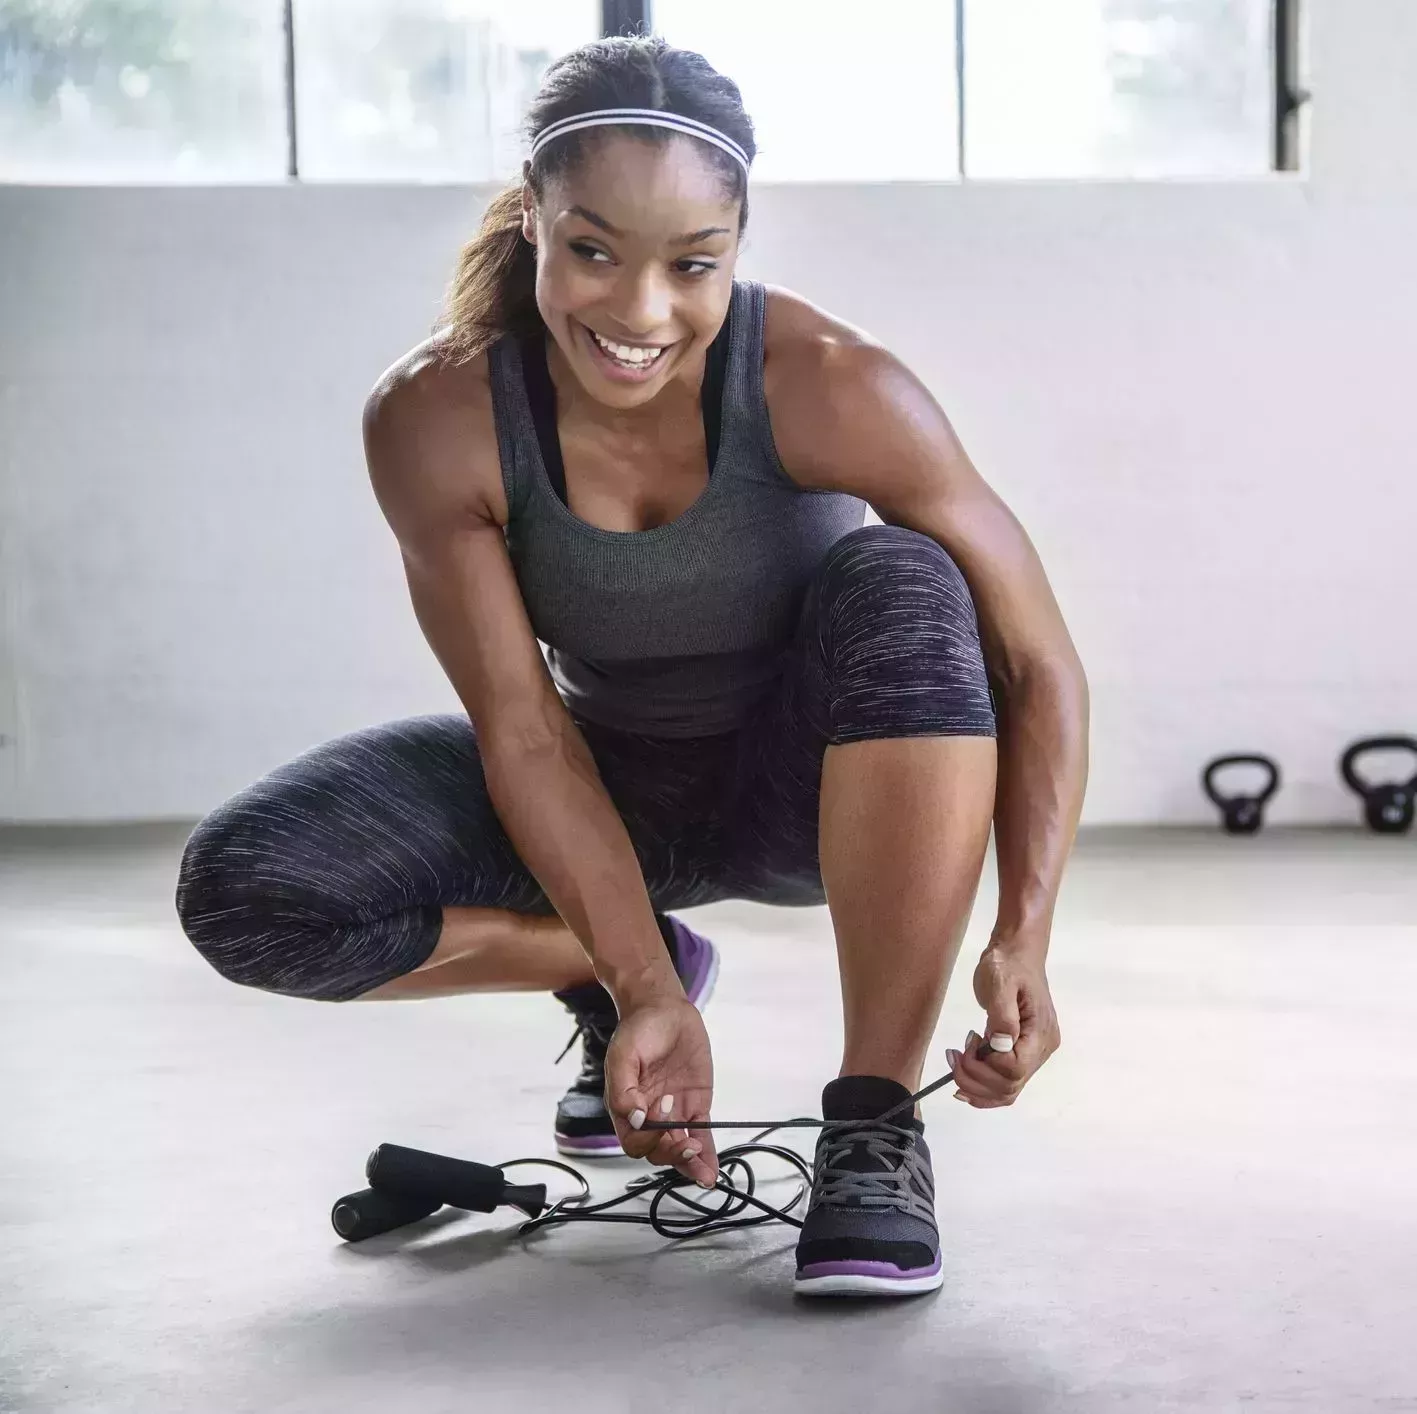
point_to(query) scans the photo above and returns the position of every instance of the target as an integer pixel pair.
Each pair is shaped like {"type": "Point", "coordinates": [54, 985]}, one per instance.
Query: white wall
{"type": "Point", "coordinates": [1197, 397]}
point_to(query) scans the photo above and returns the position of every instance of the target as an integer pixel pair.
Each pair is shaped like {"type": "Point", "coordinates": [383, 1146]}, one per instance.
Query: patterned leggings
{"type": "Point", "coordinates": [328, 877]}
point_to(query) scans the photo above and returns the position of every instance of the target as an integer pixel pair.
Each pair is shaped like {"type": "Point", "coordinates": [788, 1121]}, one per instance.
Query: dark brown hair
{"type": "Point", "coordinates": [494, 290]}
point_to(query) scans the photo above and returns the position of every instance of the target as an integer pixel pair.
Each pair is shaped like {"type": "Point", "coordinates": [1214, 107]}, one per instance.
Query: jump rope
{"type": "Point", "coordinates": [407, 1185]}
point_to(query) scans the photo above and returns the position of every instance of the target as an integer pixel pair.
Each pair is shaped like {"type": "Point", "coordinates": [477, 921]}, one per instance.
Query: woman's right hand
{"type": "Point", "coordinates": [659, 1067]}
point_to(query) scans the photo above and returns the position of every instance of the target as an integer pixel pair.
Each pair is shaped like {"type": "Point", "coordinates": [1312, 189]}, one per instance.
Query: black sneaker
{"type": "Point", "coordinates": [583, 1126]}
{"type": "Point", "coordinates": [870, 1228]}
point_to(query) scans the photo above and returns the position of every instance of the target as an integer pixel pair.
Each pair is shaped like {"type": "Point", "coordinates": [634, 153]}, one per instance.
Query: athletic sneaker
{"type": "Point", "coordinates": [870, 1228]}
{"type": "Point", "coordinates": [583, 1126]}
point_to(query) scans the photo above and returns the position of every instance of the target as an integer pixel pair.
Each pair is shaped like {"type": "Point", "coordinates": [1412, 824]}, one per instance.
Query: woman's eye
{"type": "Point", "coordinates": [696, 267]}
{"type": "Point", "coordinates": [587, 252]}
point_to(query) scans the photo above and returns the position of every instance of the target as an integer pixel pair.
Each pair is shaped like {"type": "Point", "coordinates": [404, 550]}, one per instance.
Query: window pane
{"type": "Point", "coordinates": [836, 92]}
{"type": "Point", "coordinates": [166, 90]}
{"type": "Point", "coordinates": [1145, 88]}
{"type": "Point", "coordinates": [425, 89]}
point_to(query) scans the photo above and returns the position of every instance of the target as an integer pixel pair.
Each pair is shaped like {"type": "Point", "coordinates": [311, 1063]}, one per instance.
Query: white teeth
{"type": "Point", "coordinates": [625, 353]}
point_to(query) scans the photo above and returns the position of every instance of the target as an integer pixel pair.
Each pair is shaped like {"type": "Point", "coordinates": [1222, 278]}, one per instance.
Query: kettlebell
{"type": "Point", "coordinates": [1241, 814]}
{"type": "Point", "coordinates": [1389, 808]}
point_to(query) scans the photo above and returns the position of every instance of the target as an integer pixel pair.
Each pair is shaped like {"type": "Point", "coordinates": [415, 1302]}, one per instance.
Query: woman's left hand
{"type": "Point", "coordinates": [1012, 987]}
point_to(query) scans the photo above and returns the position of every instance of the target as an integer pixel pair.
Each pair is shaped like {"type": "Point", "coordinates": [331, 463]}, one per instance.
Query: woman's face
{"type": "Point", "coordinates": [635, 251]}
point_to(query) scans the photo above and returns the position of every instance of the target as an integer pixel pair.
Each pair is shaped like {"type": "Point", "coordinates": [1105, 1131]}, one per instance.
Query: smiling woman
{"type": "Point", "coordinates": [496, 289]}
{"type": "Point", "coordinates": [660, 471]}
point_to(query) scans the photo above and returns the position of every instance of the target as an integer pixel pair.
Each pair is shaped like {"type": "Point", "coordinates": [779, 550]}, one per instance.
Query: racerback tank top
{"type": "Point", "coordinates": [679, 630]}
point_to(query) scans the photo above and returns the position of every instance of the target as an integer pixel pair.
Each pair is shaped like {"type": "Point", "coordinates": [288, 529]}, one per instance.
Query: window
{"type": "Point", "coordinates": [1118, 88]}
{"type": "Point", "coordinates": [424, 89]}
{"type": "Point", "coordinates": [835, 92]}
{"type": "Point", "coordinates": [196, 90]}
{"type": "Point", "coordinates": [141, 89]}
{"type": "Point", "coordinates": [920, 90]}
{"type": "Point", "coordinates": [1046, 88]}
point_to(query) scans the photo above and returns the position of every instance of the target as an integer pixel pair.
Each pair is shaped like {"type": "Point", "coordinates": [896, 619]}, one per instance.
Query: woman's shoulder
{"type": "Point", "coordinates": [806, 350]}
{"type": "Point", "coordinates": [429, 428]}
{"type": "Point", "coordinates": [789, 316]}
{"type": "Point", "coordinates": [431, 383]}
{"type": "Point", "coordinates": [812, 362]}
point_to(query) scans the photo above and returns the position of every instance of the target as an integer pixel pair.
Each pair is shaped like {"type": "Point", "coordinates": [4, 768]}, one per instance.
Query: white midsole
{"type": "Point", "coordinates": [855, 1284]}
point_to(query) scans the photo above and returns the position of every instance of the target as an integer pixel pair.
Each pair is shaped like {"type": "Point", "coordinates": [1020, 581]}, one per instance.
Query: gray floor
{"type": "Point", "coordinates": [1205, 1202]}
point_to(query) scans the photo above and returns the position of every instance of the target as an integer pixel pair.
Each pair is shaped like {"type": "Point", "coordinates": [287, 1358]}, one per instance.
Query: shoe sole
{"type": "Point", "coordinates": [867, 1279]}
{"type": "Point", "coordinates": [607, 1146]}
{"type": "Point", "coordinates": [592, 1146]}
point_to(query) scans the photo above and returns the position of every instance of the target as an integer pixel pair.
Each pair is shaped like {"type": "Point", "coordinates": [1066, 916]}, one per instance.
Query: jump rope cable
{"type": "Point", "coordinates": [665, 1185]}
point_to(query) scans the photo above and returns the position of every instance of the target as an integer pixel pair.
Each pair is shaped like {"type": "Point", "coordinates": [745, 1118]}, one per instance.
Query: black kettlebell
{"type": "Point", "coordinates": [1241, 814]}
{"type": "Point", "coordinates": [1389, 808]}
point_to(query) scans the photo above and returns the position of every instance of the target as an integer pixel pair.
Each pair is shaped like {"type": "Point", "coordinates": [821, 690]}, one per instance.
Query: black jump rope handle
{"type": "Point", "coordinates": [369, 1212]}
{"type": "Point", "coordinates": [408, 1184]}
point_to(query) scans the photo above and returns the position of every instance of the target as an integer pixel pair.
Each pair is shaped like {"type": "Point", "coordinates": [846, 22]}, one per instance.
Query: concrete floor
{"type": "Point", "coordinates": [1204, 1202]}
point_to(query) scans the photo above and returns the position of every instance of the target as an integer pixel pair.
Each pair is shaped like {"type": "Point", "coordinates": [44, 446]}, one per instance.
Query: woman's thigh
{"type": "Point", "coordinates": [328, 876]}
{"type": "Point", "coordinates": [387, 817]}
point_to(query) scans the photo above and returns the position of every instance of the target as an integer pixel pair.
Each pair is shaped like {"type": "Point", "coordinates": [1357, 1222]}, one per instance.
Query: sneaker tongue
{"type": "Point", "coordinates": [865, 1097]}
{"type": "Point", "coordinates": [589, 1001]}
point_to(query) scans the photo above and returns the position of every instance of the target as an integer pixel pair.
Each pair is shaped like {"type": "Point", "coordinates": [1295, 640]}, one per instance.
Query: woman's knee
{"type": "Point", "coordinates": [878, 564]}
{"type": "Point", "coordinates": [899, 637]}
{"type": "Point", "coordinates": [264, 913]}
{"type": "Point", "coordinates": [224, 901]}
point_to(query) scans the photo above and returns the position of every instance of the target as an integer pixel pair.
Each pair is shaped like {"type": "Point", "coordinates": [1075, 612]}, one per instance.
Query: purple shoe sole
{"type": "Point", "coordinates": [868, 1279]}
{"type": "Point", "coordinates": [589, 1146]}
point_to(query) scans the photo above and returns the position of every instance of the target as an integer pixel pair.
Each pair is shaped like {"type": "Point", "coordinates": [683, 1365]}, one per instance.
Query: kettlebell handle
{"type": "Point", "coordinates": [1211, 771]}
{"type": "Point", "coordinates": [1349, 764]}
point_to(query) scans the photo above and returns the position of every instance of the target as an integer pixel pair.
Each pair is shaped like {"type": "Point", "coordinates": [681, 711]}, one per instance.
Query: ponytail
{"type": "Point", "coordinates": [494, 290]}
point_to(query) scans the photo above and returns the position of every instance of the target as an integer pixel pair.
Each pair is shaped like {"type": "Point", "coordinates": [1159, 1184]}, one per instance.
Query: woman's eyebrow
{"type": "Point", "coordinates": [693, 237]}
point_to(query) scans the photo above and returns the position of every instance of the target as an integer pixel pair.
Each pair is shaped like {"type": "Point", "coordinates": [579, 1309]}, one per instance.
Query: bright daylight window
{"type": "Point", "coordinates": [924, 90]}
{"type": "Point", "coordinates": [1051, 88]}
{"type": "Point", "coordinates": [424, 89]}
{"type": "Point", "coordinates": [1118, 88]}
{"type": "Point", "coordinates": [185, 90]}
{"type": "Point", "coordinates": [837, 91]}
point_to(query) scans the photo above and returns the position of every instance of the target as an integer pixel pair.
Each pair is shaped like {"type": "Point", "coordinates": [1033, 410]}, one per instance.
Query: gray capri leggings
{"type": "Point", "coordinates": [328, 877]}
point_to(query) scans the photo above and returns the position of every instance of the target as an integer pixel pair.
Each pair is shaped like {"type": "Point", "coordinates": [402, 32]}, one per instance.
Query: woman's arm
{"type": "Point", "coordinates": [433, 463]}
{"type": "Point", "coordinates": [848, 416]}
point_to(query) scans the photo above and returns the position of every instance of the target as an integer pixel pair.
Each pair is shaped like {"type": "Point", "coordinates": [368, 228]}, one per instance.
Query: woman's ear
{"type": "Point", "coordinates": [528, 212]}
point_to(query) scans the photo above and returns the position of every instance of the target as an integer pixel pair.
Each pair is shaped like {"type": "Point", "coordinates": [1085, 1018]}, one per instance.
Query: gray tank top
{"type": "Point", "coordinates": [676, 631]}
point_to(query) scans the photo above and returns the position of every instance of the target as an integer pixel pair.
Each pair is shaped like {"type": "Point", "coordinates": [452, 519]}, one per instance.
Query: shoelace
{"type": "Point", "coordinates": [596, 1037]}
{"type": "Point", "coordinates": [896, 1183]}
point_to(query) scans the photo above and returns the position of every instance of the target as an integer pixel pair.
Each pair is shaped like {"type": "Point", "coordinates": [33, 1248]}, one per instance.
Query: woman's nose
{"type": "Point", "coordinates": [646, 308]}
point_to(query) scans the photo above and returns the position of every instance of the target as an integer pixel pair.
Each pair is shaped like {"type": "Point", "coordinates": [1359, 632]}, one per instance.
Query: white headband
{"type": "Point", "coordinates": [644, 118]}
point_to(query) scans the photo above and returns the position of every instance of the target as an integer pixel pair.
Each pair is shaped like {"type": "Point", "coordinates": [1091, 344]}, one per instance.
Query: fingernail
{"type": "Point", "coordinates": [1001, 1043]}
{"type": "Point", "coordinates": [953, 1058]}
{"type": "Point", "coordinates": [689, 1154]}
{"type": "Point", "coordinates": [666, 1105]}
{"type": "Point", "coordinates": [707, 1187]}
{"type": "Point", "coordinates": [959, 1095]}
{"type": "Point", "coordinates": [973, 1036]}
{"type": "Point", "coordinates": [637, 1118]}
